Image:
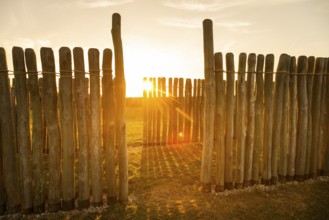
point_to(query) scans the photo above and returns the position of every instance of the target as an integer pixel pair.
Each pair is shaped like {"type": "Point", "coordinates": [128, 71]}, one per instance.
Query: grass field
{"type": "Point", "coordinates": [164, 184]}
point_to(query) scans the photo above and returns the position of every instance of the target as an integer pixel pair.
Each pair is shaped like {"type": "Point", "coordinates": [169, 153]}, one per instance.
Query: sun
{"type": "Point", "coordinates": [147, 86]}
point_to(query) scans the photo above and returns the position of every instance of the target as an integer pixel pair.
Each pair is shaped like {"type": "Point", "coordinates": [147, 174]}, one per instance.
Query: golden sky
{"type": "Point", "coordinates": [164, 37]}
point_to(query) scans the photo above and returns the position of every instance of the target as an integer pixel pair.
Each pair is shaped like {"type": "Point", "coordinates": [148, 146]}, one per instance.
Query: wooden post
{"type": "Point", "coordinates": [309, 78]}
{"type": "Point", "coordinates": [316, 110]}
{"type": "Point", "coordinates": [121, 107]}
{"type": "Point", "coordinates": [250, 116]}
{"type": "Point", "coordinates": [158, 112]}
{"type": "Point", "coordinates": [188, 109]}
{"type": "Point", "coordinates": [37, 131]}
{"type": "Point", "coordinates": [8, 139]}
{"type": "Point", "coordinates": [282, 70]}
{"type": "Point", "coordinates": [54, 136]}
{"type": "Point", "coordinates": [202, 112]}
{"type": "Point", "coordinates": [229, 122]}
{"type": "Point", "coordinates": [108, 126]}
{"type": "Point", "coordinates": [240, 122]}
{"type": "Point", "coordinates": [194, 106]}
{"type": "Point", "coordinates": [174, 118]}
{"type": "Point", "coordinates": [326, 146]}
{"type": "Point", "coordinates": [95, 142]}
{"type": "Point", "coordinates": [259, 112]}
{"type": "Point", "coordinates": [268, 120]}
{"type": "Point", "coordinates": [199, 111]}
{"type": "Point", "coordinates": [79, 72]}
{"type": "Point", "coordinates": [170, 109]}
{"type": "Point", "coordinates": [292, 121]}
{"type": "Point", "coordinates": [302, 119]}
{"type": "Point", "coordinates": [150, 115]}
{"type": "Point", "coordinates": [154, 111]}
{"type": "Point", "coordinates": [2, 180]}
{"type": "Point", "coordinates": [219, 135]}
{"type": "Point", "coordinates": [284, 139]}
{"type": "Point", "coordinates": [180, 107]}
{"type": "Point", "coordinates": [164, 111]}
{"type": "Point", "coordinates": [145, 113]}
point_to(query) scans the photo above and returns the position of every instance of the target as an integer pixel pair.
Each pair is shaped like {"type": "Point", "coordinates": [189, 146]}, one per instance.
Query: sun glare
{"type": "Point", "coordinates": [147, 86]}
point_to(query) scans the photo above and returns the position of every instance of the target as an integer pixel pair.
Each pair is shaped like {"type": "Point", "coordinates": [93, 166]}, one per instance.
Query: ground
{"type": "Point", "coordinates": [164, 184]}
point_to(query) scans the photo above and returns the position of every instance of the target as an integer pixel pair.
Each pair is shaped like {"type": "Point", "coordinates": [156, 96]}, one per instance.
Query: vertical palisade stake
{"type": "Point", "coordinates": [165, 111]}
{"type": "Point", "coordinates": [229, 121]}
{"type": "Point", "coordinates": [37, 131]}
{"type": "Point", "coordinates": [79, 73]}
{"type": "Point", "coordinates": [292, 121]}
{"type": "Point", "coordinates": [95, 142]}
{"type": "Point", "coordinates": [23, 128]}
{"type": "Point", "coordinates": [202, 111]}
{"type": "Point", "coordinates": [108, 126]}
{"type": "Point", "coordinates": [326, 146]}
{"type": "Point", "coordinates": [268, 120]}
{"type": "Point", "coordinates": [219, 135]}
{"type": "Point", "coordinates": [8, 139]}
{"type": "Point", "coordinates": [188, 110]}
{"type": "Point", "coordinates": [316, 110]}
{"type": "Point", "coordinates": [199, 111]}
{"type": "Point", "coordinates": [302, 119]}
{"type": "Point", "coordinates": [174, 106]}
{"type": "Point", "coordinates": [145, 101]}
{"type": "Point", "coordinates": [194, 105]}
{"type": "Point", "coordinates": [284, 135]}
{"type": "Point", "coordinates": [170, 109]}
{"type": "Point", "coordinates": [2, 186]}
{"type": "Point", "coordinates": [149, 115]}
{"type": "Point", "coordinates": [309, 80]}
{"type": "Point", "coordinates": [159, 108]}
{"type": "Point", "coordinates": [258, 133]}
{"type": "Point", "coordinates": [121, 107]}
{"type": "Point", "coordinates": [282, 71]}
{"type": "Point", "coordinates": [240, 121]}
{"type": "Point", "coordinates": [180, 110]}
{"type": "Point", "coordinates": [54, 136]}
{"type": "Point", "coordinates": [154, 111]}
{"type": "Point", "coordinates": [250, 116]}
{"type": "Point", "coordinates": [209, 106]}
{"type": "Point", "coordinates": [66, 119]}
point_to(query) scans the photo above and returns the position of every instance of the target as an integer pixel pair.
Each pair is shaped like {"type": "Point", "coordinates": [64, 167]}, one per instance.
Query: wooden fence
{"type": "Point", "coordinates": [66, 121]}
{"type": "Point", "coordinates": [172, 111]}
{"type": "Point", "coordinates": [269, 125]}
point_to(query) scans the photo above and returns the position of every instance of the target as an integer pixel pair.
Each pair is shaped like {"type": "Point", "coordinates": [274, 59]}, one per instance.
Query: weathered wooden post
{"type": "Point", "coordinates": [95, 142]}
{"type": "Point", "coordinates": [316, 110]}
{"type": "Point", "coordinates": [2, 186]}
{"type": "Point", "coordinates": [150, 115]}
{"type": "Point", "coordinates": [268, 120]}
{"type": "Point", "coordinates": [8, 139]}
{"type": "Point", "coordinates": [259, 112]}
{"type": "Point", "coordinates": [108, 126]}
{"type": "Point", "coordinates": [159, 108]}
{"type": "Point", "coordinates": [194, 105]}
{"type": "Point", "coordinates": [219, 135]}
{"type": "Point", "coordinates": [37, 131]}
{"type": "Point", "coordinates": [164, 111]}
{"type": "Point", "coordinates": [188, 110]}
{"type": "Point", "coordinates": [240, 122]}
{"type": "Point", "coordinates": [145, 111]}
{"type": "Point", "coordinates": [292, 121]}
{"type": "Point", "coordinates": [54, 136]}
{"type": "Point", "coordinates": [302, 119]}
{"type": "Point", "coordinates": [154, 111]}
{"type": "Point", "coordinates": [202, 106]}
{"type": "Point", "coordinates": [209, 107]}
{"type": "Point", "coordinates": [79, 72]}
{"type": "Point", "coordinates": [326, 150]}
{"type": "Point", "coordinates": [170, 109]}
{"type": "Point", "coordinates": [250, 116]}
{"type": "Point", "coordinates": [174, 106]}
{"type": "Point", "coordinates": [180, 108]}
{"type": "Point", "coordinates": [120, 85]}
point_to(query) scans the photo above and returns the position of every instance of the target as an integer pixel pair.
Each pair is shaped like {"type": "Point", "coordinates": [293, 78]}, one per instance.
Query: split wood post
{"type": "Point", "coordinates": [2, 180]}
{"type": "Point", "coordinates": [292, 121]}
{"type": "Point", "coordinates": [259, 112]}
{"type": "Point", "coordinates": [309, 79]}
{"type": "Point", "coordinates": [240, 122]}
{"type": "Point", "coordinates": [202, 112]}
{"type": "Point", "coordinates": [302, 119]}
{"type": "Point", "coordinates": [250, 117]}
{"type": "Point", "coordinates": [323, 121]}
{"type": "Point", "coordinates": [180, 107]}
{"type": "Point", "coordinates": [188, 110]}
{"type": "Point", "coordinates": [170, 109]}
{"type": "Point", "coordinates": [229, 121]}
{"type": "Point", "coordinates": [37, 132]}
{"type": "Point", "coordinates": [199, 111]}
{"type": "Point", "coordinates": [219, 132]}
{"type": "Point", "coordinates": [165, 111]}
{"type": "Point", "coordinates": [14, 107]}
{"type": "Point", "coordinates": [316, 111]}
{"type": "Point", "coordinates": [175, 106]}
{"type": "Point", "coordinates": [326, 146]}
{"type": "Point", "coordinates": [108, 126]}
{"type": "Point", "coordinates": [150, 115]}
{"type": "Point", "coordinates": [154, 111]}
{"type": "Point", "coordinates": [284, 139]}
{"type": "Point", "coordinates": [145, 111]}
{"type": "Point", "coordinates": [23, 130]}
{"type": "Point", "coordinates": [209, 104]}
{"type": "Point", "coordinates": [95, 141]}
{"type": "Point", "coordinates": [268, 120]}
{"type": "Point", "coordinates": [81, 96]}
{"type": "Point", "coordinates": [66, 119]}
{"type": "Point", "coordinates": [8, 139]}
{"type": "Point", "coordinates": [45, 138]}
{"type": "Point", "coordinates": [282, 71]}
{"type": "Point", "coordinates": [194, 111]}
{"type": "Point", "coordinates": [54, 135]}
{"type": "Point", "coordinates": [121, 107]}
{"type": "Point", "coordinates": [159, 108]}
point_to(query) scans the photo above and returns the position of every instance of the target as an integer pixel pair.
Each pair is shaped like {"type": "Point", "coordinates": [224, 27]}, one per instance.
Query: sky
{"type": "Point", "coordinates": [164, 37]}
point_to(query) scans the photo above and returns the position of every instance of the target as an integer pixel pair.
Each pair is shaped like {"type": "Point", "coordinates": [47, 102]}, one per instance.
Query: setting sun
{"type": "Point", "coordinates": [147, 86]}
